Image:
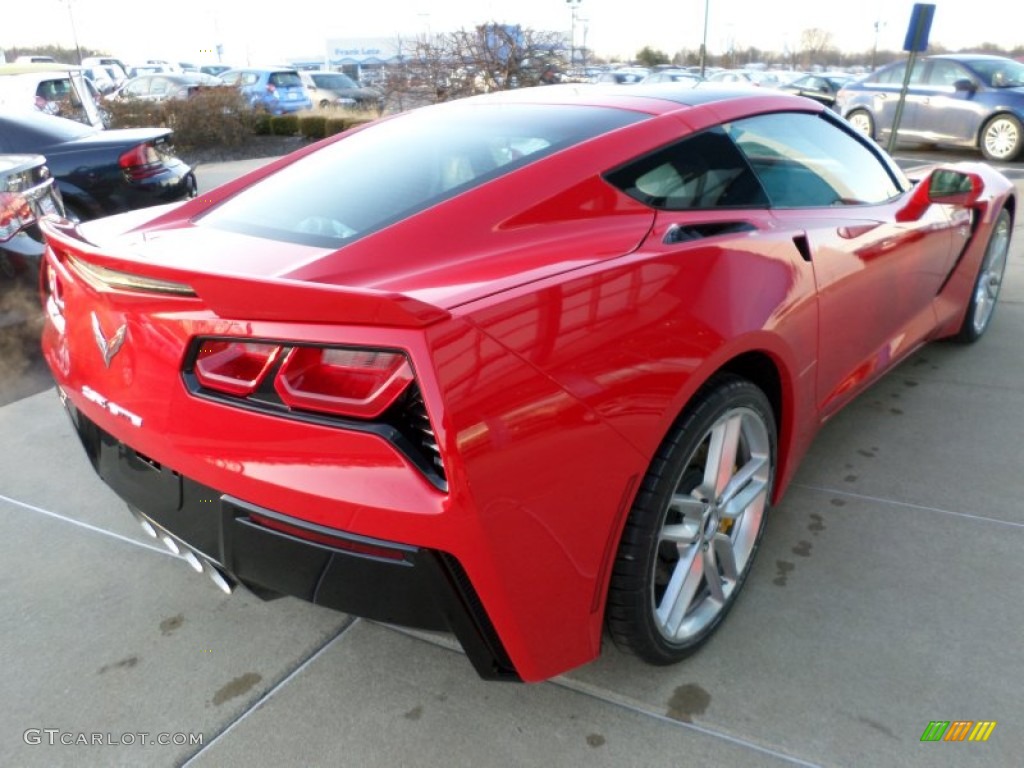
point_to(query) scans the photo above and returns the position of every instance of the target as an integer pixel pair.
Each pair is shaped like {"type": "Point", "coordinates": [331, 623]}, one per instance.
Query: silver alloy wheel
{"type": "Point", "coordinates": [712, 524]}
{"type": "Point", "coordinates": [1002, 138]}
{"type": "Point", "coordinates": [990, 276]}
{"type": "Point", "coordinates": [860, 121]}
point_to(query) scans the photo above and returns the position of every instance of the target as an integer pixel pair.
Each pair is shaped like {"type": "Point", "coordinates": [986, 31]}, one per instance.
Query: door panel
{"type": "Point", "coordinates": [877, 281]}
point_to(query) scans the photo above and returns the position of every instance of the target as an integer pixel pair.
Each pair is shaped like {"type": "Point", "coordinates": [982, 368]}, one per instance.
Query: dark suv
{"type": "Point", "coordinates": [964, 100]}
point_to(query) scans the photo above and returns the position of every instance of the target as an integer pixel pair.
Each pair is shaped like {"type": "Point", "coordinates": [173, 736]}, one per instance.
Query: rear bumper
{"type": "Point", "coordinates": [281, 555]}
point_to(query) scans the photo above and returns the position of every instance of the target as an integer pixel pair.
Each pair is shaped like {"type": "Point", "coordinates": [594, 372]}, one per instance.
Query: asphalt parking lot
{"type": "Point", "coordinates": [886, 595]}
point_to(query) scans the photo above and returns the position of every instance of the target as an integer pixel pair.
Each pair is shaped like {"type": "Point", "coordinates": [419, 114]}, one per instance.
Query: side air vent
{"type": "Point", "coordinates": [417, 428]}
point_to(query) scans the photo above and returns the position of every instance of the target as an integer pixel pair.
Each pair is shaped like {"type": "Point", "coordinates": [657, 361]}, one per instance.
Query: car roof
{"type": "Point", "coordinates": [175, 76]}
{"type": "Point", "coordinates": [263, 69]}
{"type": "Point", "coordinates": [653, 98]}
{"type": "Point", "coordinates": [39, 68]}
{"type": "Point", "coordinates": [970, 57]}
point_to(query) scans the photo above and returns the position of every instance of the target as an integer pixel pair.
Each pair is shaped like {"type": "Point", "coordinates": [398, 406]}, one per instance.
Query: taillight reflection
{"type": "Point", "coordinates": [347, 382]}
{"type": "Point", "coordinates": [234, 367]}
{"type": "Point", "coordinates": [15, 214]}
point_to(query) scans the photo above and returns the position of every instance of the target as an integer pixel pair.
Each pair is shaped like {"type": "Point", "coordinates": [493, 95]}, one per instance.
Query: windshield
{"type": "Point", "coordinates": [398, 167]}
{"type": "Point", "coordinates": [334, 82]}
{"type": "Point", "coordinates": [999, 73]}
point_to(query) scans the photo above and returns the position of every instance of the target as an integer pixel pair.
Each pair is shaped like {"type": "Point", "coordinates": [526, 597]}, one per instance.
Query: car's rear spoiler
{"type": "Point", "coordinates": [235, 297]}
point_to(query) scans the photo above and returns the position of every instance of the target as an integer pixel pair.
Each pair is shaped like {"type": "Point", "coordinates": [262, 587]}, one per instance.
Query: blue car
{"type": "Point", "coordinates": [963, 100]}
{"type": "Point", "coordinates": [278, 91]}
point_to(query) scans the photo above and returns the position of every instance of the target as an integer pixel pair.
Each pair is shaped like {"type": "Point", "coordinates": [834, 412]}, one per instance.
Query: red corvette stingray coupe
{"type": "Point", "coordinates": [518, 367]}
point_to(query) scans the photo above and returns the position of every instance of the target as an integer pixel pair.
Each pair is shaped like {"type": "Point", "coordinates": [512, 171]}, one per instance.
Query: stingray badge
{"type": "Point", "coordinates": [108, 347]}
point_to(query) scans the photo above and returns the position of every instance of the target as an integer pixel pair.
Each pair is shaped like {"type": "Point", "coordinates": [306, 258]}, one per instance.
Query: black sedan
{"type": "Point", "coordinates": [821, 88]}
{"type": "Point", "coordinates": [101, 172]}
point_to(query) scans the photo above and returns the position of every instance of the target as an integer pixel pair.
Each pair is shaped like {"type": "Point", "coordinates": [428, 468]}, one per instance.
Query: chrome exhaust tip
{"type": "Point", "coordinates": [190, 557]}
{"type": "Point", "coordinates": [148, 528]}
{"type": "Point", "coordinates": [171, 544]}
{"type": "Point", "coordinates": [195, 560]}
{"type": "Point", "coordinates": [222, 582]}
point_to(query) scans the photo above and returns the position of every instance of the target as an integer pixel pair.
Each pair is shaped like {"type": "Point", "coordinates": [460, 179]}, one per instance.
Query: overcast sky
{"type": "Point", "coordinates": [262, 31]}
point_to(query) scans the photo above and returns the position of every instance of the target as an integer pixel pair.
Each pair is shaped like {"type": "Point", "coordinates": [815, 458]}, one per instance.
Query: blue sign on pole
{"type": "Point", "coordinates": [920, 26]}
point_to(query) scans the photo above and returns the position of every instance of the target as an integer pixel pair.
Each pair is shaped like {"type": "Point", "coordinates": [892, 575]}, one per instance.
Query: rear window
{"type": "Point", "coordinates": [285, 80]}
{"type": "Point", "coordinates": [30, 131]}
{"type": "Point", "coordinates": [54, 90]}
{"type": "Point", "coordinates": [401, 166]}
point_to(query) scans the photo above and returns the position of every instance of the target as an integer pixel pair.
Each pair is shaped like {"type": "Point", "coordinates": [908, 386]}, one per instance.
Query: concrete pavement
{"type": "Point", "coordinates": [885, 596]}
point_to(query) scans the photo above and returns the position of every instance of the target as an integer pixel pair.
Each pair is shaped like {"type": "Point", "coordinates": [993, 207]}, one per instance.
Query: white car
{"type": "Point", "coordinates": [57, 89]}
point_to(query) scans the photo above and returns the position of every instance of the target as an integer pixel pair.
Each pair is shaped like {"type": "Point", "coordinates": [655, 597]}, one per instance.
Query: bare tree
{"type": "Point", "coordinates": [489, 57]}
{"type": "Point", "coordinates": [814, 43]}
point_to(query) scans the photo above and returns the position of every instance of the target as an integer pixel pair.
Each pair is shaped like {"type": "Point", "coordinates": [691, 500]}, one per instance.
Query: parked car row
{"type": "Point", "coordinates": [964, 100]}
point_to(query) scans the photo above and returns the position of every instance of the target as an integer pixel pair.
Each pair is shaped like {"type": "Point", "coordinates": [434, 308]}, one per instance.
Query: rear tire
{"type": "Point", "coordinates": [990, 279]}
{"type": "Point", "coordinates": [1002, 138]}
{"type": "Point", "coordinates": [696, 524]}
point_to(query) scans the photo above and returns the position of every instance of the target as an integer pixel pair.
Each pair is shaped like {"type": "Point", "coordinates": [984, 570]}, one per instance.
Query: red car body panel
{"type": "Point", "coordinates": [555, 338]}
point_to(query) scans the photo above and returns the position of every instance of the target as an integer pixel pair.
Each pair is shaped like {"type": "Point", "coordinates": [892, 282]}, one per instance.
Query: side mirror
{"type": "Point", "coordinates": [949, 187]}
{"type": "Point", "coordinates": [943, 186]}
{"type": "Point", "coordinates": [965, 85]}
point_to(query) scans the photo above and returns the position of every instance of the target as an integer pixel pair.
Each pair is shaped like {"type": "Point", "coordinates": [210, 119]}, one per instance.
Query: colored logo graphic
{"type": "Point", "coordinates": [958, 730]}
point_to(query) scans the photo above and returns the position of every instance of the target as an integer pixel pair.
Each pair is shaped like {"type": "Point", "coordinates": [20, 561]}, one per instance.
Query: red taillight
{"type": "Point", "coordinates": [347, 382]}
{"type": "Point", "coordinates": [15, 214]}
{"type": "Point", "coordinates": [140, 161]}
{"type": "Point", "coordinates": [234, 367]}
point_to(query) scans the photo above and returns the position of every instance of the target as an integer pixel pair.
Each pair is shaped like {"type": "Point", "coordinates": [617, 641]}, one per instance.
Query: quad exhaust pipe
{"type": "Point", "coordinates": [195, 560]}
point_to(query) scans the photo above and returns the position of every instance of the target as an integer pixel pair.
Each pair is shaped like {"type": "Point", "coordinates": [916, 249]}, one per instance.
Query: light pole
{"type": "Point", "coordinates": [874, 51]}
{"type": "Point", "coordinates": [573, 8]}
{"type": "Point", "coordinates": [704, 41]}
{"type": "Point", "coordinates": [74, 32]}
{"type": "Point", "coordinates": [583, 50]}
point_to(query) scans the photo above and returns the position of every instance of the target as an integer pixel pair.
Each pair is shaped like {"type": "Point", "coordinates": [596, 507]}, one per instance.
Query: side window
{"type": "Point", "coordinates": [159, 86]}
{"type": "Point", "coordinates": [945, 73]}
{"type": "Point", "coordinates": [249, 78]}
{"type": "Point", "coordinates": [138, 88]}
{"type": "Point", "coordinates": [894, 75]}
{"type": "Point", "coordinates": [805, 161]}
{"type": "Point", "coordinates": [699, 172]}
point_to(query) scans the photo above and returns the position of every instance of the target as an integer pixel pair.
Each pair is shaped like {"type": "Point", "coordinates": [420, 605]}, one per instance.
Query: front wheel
{"type": "Point", "coordinates": [989, 281]}
{"type": "Point", "coordinates": [860, 120]}
{"type": "Point", "coordinates": [1002, 138]}
{"type": "Point", "coordinates": [696, 524]}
